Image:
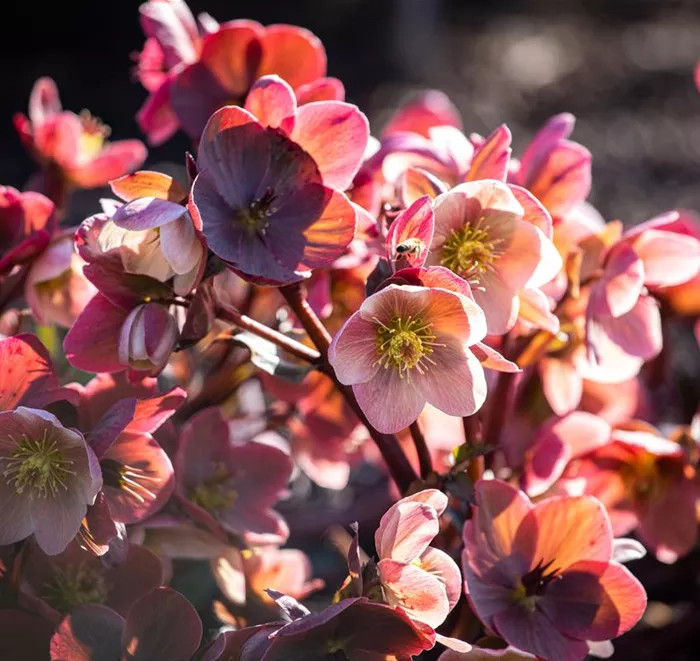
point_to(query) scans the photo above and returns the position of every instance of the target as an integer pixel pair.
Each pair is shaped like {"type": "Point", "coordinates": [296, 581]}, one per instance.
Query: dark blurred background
{"type": "Point", "coordinates": [624, 67]}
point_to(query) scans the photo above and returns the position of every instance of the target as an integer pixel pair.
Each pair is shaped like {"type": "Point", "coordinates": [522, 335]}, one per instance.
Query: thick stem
{"type": "Point", "coordinates": [424, 460]}
{"type": "Point", "coordinates": [294, 348]}
{"type": "Point", "coordinates": [472, 439]}
{"type": "Point", "coordinates": [399, 467]}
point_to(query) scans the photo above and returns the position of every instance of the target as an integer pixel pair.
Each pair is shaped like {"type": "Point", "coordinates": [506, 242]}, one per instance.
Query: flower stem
{"type": "Point", "coordinates": [424, 460]}
{"type": "Point", "coordinates": [399, 467]}
{"type": "Point", "coordinates": [472, 439]}
{"type": "Point", "coordinates": [294, 348]}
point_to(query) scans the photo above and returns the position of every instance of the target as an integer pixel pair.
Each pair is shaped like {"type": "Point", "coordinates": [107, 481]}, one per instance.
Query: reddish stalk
{"type": "Point", "coordinates": [424, 459]}
{"type": "Point", "coordinates": [399, 467]}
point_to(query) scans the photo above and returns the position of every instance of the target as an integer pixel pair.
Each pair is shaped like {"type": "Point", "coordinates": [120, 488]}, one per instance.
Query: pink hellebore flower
{"type": "Point", "coordinates": [647, 483]}
{"type": "Point", "coordinates": [411, 345]}
{"type": "Point", "coordinates": [55, 288]}
{"type": "Point", "coordinates": [236, 482]}
{"type": "Point", "coordinates": [73, 144]}
{"type": "Point", "coordinates": [153, 232]}
{"type": "Point", "coordinates": [482, 235]}
{"type": "Point", "coordinates": [543, 576]}
{"type": "Point", "coordinates": [268, 197]}
{"type": "Point", "coordinates": [48, 477]}
{"type": "Point", "coordinates": [27, 222]}
{"type": "Point", "coordinates": [422, 580]}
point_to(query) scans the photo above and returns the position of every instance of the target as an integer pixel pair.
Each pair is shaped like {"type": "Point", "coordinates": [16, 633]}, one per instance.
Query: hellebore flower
{"type": "Point", "coordinates": [76, 578]}
{"type": "Point", "coordinates": [267, 196]}
{"type": "Point", "coordinates": [237, 483]}
{"type": "Point", "coordinates": [554, 169]}
{"type": "Point", "coordinates": [27, 221]}
{"type": "Point", "coordinates": [160, 625]}
{"type": "Point", "coordinates": [73, 146]}
{"type": "Point", "coordinates": [411, 345]}
{"type": "Point", "coordinates": [647, 483]}
{"type": "Point", "coordinates": [422, 580]}
{"type": "Point", "coordinates": [153, 232]}
{"type": "Point", "coordinates": [543, 576]}
{"type": "Point", "coordinates": [482, 235]}
{"type": "Point", "coordinates": [55, 288]}
{"type": "Point", "coordinates": [48, 477]}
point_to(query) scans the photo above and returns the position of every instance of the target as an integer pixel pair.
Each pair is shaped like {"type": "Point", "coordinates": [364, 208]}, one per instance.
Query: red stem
{"type": "Point", "coordinates": [399, 467]}
{"type": "Point", "coordinates": [424, 459]}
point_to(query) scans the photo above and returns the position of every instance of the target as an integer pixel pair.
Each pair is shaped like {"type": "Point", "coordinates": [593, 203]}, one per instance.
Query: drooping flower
{"type": "Point", "coordinates": [27, 222]}
{"type": "Point", "coordinates": [48, 477]}
{"type": "Point", "coordinates": [411, 345]}
{"type": "Point", "coordinates": [268, 197]}
{"type": "Point", "coordinates": [481, 234]}
{"type": "Point", "coordinates": [543, 576]}
{"type": "Point", "coordinates": [236, 482]}
{"type": "Point", "coordinates": [73, 146]}
{"type": "Point", "coordinates": [160, 625]}
{"type": "Point", "coordinates": [419, 578]}
{"type": "Point", "coordinates": [55, 288]}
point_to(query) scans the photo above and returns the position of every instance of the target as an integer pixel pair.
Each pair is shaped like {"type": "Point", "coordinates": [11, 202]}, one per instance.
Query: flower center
{"type": "Point", "coordinates": [405, 344]}
{"type": "Point", "coordinates": [255, 218]}
{"type": "Point", "coordinates": [129, 479]}
{"type": "Point", "coordinates": [93, 136]}
{"type": "Point", "coordinates": [534, 584]}
{"type": "Point", "coordinates": [38, 466]}
{"type": "Point", "coordinates": [215, 494]}
{"type": "Point", "coordinates": [469, 252]}
{"type": "Point", "coordinates": [75, 586]}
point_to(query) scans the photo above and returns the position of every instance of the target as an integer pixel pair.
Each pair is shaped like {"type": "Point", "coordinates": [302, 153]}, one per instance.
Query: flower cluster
{"type": "Point", "coordinates": [302, 325]}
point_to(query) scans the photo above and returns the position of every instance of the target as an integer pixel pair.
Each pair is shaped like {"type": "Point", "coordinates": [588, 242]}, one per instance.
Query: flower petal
{"type": "Point", "coordinates": [273, 103]}
{"type": "Point", "coordinates": [353, 351]}
{"type": "Point", "coordinates": [113, 161]}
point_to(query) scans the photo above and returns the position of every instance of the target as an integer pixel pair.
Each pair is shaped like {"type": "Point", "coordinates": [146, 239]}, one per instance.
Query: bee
{"type": "Point", "coordinates": [409, 247]}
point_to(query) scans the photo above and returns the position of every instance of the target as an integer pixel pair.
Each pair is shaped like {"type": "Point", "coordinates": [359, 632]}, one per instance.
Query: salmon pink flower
{"type": "Point", "coordinates": [642, 477]}
{"type": "Point", "coordinates": [543, 576]}
{"type": "Point", "coordinates": [411, 345]}
{"type": "Point", "coordinates": [27, 222]}
{"type": "Point", "coordinates": [55, 288]}
{"type": "Point", "coordinates": [481, 234]}
{"type": "Point", "coordinates": [267, 196]}
{"type": "Point", "coordinates": [48, 477]}
{"type": "Point", "coordinates": [424, 581]}
{"type": "Point", "coordinates": [235, 482]}
{"type": "Point", "coordinates": [73, 145]}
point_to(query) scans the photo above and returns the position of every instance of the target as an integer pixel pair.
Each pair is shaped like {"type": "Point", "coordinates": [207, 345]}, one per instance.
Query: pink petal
{"type": "Point", "coordinates": [556, 129]}
{"type": "Point", "coordinates": [59, 138]}
{"type": "Point", "coordinates": [147, 213]}
{"type": "Point", "coordinates": [148, 183]}
{"type": "Point", "coordinates": [416, 223]}
{"type": "Point", "coordinates": [174, 27]}
{"type": "Point", "coordinates": [407, 402]}
{"type": "Point", "coordinates": [456, 384]}
{"type": "Point", "coordinates": [438, 563]}
{"type": "Point", "coordinates": [115, 160]}
{"type": "Point", "coordinates": [621, 283]}
{"type": "Point", "coordinates": [353, 351]}
{"type": "Point", "coordinates": [272, 101]}
{"type": "Point", "coordinates": [414, 183]}
{"type": "Point", "coordinates": [534, 633]}
{"type": "Point", "coordinates": [92, 343]}
{"type": "Point", "coordinates": [419, 593]}
{"type": "Point", "coordinates": [26, 371]}
{"type": "Point", "coordinates": [499, 303]}
{"type": "Point", "coordinates": [335, 134]}
{"type": "Point", "coordinates": [44, 101]}
{"type": "Point", "coordinates": [180, 245]}
{"type": "Point", "coordinates": [669, 258]}
{"type": "Point", "coordinates": [156, 117]}
{"type": "Point", "coordinates": [595, 601]}
{"type": "Point", "coordinates": [323, 89]}
{"type": "Point", "coordinates": [561, 383]}
{"type": "Point", "coordinates": [295, 54]}
{"type": "Point", "coordinates": [405, 530]}
{"type": "Point", "coordinates": [535, 212]}
{"type": "Point", "coordinates": [566, 530]}
{"type": "Point", "coordinates": [492, 158]}
{"type": "Point", "coordinates": [491, 359]}
{"type": "Point", "coordinates": [432, 108]}
{"type": "Point", "coordinates": [535, 309]}
{"type": "Point", "coordinates": [56, 521]}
